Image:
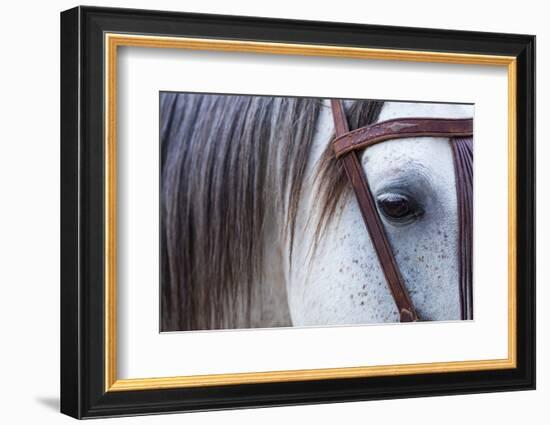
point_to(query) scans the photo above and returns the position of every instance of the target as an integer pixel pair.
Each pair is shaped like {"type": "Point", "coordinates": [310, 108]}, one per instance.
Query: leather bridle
{"type": "Point", "coordinates": [345, 147]}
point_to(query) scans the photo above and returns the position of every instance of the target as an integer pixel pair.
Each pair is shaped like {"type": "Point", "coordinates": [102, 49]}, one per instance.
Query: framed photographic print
{"type": "Point", "coordinates": [261, 212]}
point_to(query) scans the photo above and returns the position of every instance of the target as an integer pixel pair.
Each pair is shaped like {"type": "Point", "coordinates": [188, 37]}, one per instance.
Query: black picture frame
{"type": "Point", "coordinates": [83, 392]}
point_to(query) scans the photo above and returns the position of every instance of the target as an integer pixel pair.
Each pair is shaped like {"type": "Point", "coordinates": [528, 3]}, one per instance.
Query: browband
{"type": "Point", "coordinates": [401, 128]}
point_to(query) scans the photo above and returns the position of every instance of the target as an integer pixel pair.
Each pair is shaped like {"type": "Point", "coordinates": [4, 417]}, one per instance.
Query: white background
{"type": "Point", "coordinates": [144, 72]}
{"type": "Point", "coordinates": [29, 225]}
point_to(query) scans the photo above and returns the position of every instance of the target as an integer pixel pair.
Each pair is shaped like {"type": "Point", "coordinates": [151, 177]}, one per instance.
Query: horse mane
{"type": "Point", "coordinates": [228, 163]}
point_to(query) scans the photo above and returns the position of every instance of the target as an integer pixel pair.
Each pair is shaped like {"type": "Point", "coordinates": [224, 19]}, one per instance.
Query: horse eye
{"type": "Point", "coordinates": [398, 208]}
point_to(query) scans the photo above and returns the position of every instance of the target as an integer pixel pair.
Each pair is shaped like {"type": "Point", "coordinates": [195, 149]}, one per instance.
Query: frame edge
{"type": "Point", "coordinates": [526, 204]}
{"type": "Point", "coordinates": [70, 348]}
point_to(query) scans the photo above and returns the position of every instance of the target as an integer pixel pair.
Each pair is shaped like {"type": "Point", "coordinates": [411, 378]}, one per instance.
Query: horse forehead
{"type": "Point", "coordinates": [430, 157]}
{"type": "Point", "coordinates": [392, 110]}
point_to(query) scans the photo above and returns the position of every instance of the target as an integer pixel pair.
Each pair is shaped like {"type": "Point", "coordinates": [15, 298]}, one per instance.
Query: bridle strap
{"type": "Point", "coordinates": [401, 128]}
{"type": "Point", "coordinates": [463, 157]}
{"type": "Point", "coordinates": [345, 145]}
{"type": "Point", "coordinates": [358, 180]}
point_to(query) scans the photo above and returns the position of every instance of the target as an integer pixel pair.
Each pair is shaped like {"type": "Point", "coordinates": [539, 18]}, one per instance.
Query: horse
{"type": "Point", "coordinates": [260, 228]}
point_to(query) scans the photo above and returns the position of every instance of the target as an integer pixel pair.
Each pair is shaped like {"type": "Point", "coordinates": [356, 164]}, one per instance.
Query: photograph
{"type": "Point", "coordinates": [293, 211]}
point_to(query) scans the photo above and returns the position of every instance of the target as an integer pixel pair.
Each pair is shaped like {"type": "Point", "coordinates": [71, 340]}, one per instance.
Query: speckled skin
{"type": "Point", "coordinates": [344, 284]}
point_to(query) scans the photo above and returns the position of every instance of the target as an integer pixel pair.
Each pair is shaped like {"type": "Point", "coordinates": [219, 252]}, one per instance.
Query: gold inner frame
{"type": "Point", "coordinates": [113, 41]}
